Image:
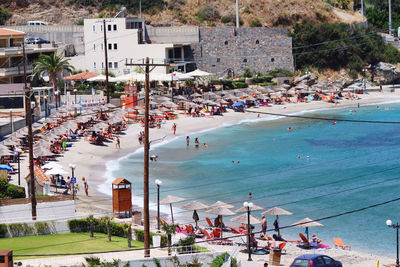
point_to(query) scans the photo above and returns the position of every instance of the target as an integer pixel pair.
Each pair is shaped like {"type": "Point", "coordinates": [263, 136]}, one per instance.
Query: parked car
{"type": "Point", "coordinates": [39, 40]}
{"type": "Point", "coordinates": [36, 23]}
{"type": "Point", "coordinates": [30, 40]}
{"type": "Point", "coordinates": [315, 260]}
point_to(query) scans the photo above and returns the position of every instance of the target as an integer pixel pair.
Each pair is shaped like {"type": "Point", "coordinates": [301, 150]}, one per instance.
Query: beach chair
{"type": "Point", "coordinates": [216, 241]}
{"type": "Point", "coordinates": [339, 243]}
{"type": "Point", "coordinates": [236, 231]}
{"type": "Point", "coordinates": [209, 222]}
{"type": "Point", "coordinates": [304, 243]}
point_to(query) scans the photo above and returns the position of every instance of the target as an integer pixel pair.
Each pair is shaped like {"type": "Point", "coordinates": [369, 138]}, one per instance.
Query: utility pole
{"type": "Point", "coordinates": [390, 17]}
{"type": "Point", "coordinates": [106, 59]}
{"type": "Point", "coordinates": [28, 118]}
{"type": "Point", "coordinates": [147, 71]}
{"type": "Point", "coordinates": [237, 14]}
{"type": "Point", "coordinates": [140, 8]}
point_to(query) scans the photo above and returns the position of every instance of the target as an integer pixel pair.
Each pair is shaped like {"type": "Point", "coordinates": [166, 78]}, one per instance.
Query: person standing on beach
{"type": "Point", "coordinates": [86, 187]}
{"type": "Point", "coordinates": [174, 128]}
{"type": "Point", "coordinates": [187, 140]}
{"type": "Point", "coordinates": [264, 225]}
{"type": "Point", "coordinates": [117, 143]}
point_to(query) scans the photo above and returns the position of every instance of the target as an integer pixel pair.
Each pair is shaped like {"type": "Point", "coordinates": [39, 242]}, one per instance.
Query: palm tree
{"type": "Point", "coordinates": [52, 64]}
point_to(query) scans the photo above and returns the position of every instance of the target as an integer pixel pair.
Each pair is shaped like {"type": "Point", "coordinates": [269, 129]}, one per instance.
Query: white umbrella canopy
{"type": "Point", "coordinates": [133, 76]}
{"type": "Point", "coordinates": [5, 152]}
{"type": "Point", "coordinates": [169, 200]}
{"type": "Point", "coordinates": [169, 104]}
{"type": "Point", "coordinates": [244, 209]}
{"type": "Point", "coordinates": [180, 97]}
{"type": "Point", "coordinates": [220, 211]}
{"type": "Point", "coordinates": [11, 141]}
{"type": "Point", "coordinates": [194, 205]}
{"type": "Point", "coordinates": [199, 100]}
{"type": "Point", "coordinates": [42, 152]}
{"type": "Point", "coordinates": [196, 95]}
{"type": "Point", "coordinates": [51, 165]}
{"type": "Point", "coordinates": [56, 171]}
{"type": "Point", "coordinates": [276, 211]}
{"type": "Point", "coordinates": [199, 73]}
{"type": "Point", "coordinates": [98, 78]}
{"type": "Point", "coordinates": [307, 222]}
{"type": "Point", "coordinates": [243, 219]}
{"type": "Point", "coordinates": [221, 204]}
{"type": "Point", "coordinates": [179, 76]}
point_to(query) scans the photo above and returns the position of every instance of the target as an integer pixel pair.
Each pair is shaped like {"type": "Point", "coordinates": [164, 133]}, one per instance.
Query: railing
{"type": "Point", "coordinates": [181, 250]}
{"type": "Point", "coordinates": [15, 70]}
{"type": "Point", "coordinates": [232, 255]}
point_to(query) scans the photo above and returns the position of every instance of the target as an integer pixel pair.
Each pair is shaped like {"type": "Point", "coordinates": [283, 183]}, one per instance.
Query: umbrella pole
{"type": "Point", "coordinates": [221, 223]}
{"type": "Point", "coordinates": [172, 214]}
{"type": "Point", "coordinates": [308, 239]}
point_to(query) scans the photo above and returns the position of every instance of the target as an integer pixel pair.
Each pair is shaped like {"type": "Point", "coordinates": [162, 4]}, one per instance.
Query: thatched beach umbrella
{"type": "Point", "coordinates": [221, 204]}
{"type": "Point", "coordinates": [195, 205]}
{"type": "Point", "coordinates": [220, 211]}
{"type": "Point", "coordinates": [307, 222]}
{"type": "Point", "coordinates": [169, 104]}
{"type": "Point", "coordinates": [5, 152]}
{"type": "Point", "coordinates": [11, 141]}
{"type": "Point", "coordinates": [180, 97]}
{"type": "Point", "coordinates": [42, 152]}
{"type": "Point", "coordinates": [169, 200]}
{"type": "Point", "coordinates": [244, 209]}
{"type": "Point", "coordinates": [196, 95]}
{"type": "Point", "coordinates": [277, 211]}
{"type": "Point", "coordinates": [243, 219]}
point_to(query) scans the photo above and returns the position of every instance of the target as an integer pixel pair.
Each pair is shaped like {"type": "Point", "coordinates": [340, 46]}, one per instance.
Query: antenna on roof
{"type": "Point", "coordinates": [123, 9]}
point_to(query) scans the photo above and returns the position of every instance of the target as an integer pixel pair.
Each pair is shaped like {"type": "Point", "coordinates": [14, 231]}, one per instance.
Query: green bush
{"type": "Point", "coordinates": [231, 19]}
{"type": "Point", "coordinates": [262, 79]}
{"type": "Point", "coordinates": [21, 229]}
{"type": "Point", "coordinates": [208, 13]}
{"type": "Point", "coordinates": [10, 190]}
{"type": "Point", "coordinates": [78, 225]}
{"type": "Point", "coordinates": [255, 23]}
{"type": "Point", "coordinates": [247, 73]}
{"type": "Point", "coordinates": [79, 22]}
{"type": "Point", "coordinates": [42, 228]}
{"type": "Point", "coordinates": [81, 225]}
{"type": "Point", "coordinates": [4, 15]}
{"type": "Point", "coordinates": [220, 260]}
{"type": "Point", "coordinates": [238, 85]}
{"type": "Point", "coordinates": [3, 230]}
{"type": "Point", "coordinates": [140, 237]}
{"type": "Point", "coordinates": [187, 244]}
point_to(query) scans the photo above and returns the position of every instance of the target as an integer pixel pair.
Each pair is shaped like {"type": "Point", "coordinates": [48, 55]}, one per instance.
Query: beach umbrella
{"type": "Point", "coordinates": [56, 171]}
{"type": "Point", "coordinates": [307, 222]}
{"type": "Point", "coordinates": [169, 104]}
{"type": "Point", "coordinates": [243, 219]}
{"type": "Point", "coordinates": [42, 152]}
{"type": "Point", "coordinates": [199, 100]}
{"type": "Point", "coordinates": [199, 73]}
{"type": "Point", "coordinates": [180, 97]}
{"type": "Point", "coordinates": [221, 204]}
{"type": "Point", "coordinates": [277, 211]}
{"type": "Point", "coordinates": [195, 205]}
{"type": "Point", "coordinates": [244, 209]}
{"type": "Point", "coordinates": [220, 211]}
{"type": "Point", "coordinates": [169, 200]}
{"type": "Point", "coordinates": [164, 109]}
{"type": "Point", "coordinates": [196, 95]}
{"type": "Point", "coordinates": [286, 86]}
{"type": "Point", "coordinates": [5, 167]}
{"type": "Point", "coordinates": [11, 141]}
{"type": "Point", "coordinates": [5, 152]}
{"type": "Point", "coordinates": [99, 78]}
{"type": "Point", "coordinates": [51, 165]}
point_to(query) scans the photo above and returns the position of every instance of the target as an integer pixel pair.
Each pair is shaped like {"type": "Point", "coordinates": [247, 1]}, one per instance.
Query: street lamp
{"type": "Point", "coordinates": [18, 151]}
{"type": "Point", "coordinates": [395, 226]}
{"type": "Point", "coordinates": [73, 179]}
{"type": "Point", "coordinates": [75, 97]}
{"type": "Point", "coordinates": [248, 205]}
{"type": "Point", "coordinates": [158, 183]}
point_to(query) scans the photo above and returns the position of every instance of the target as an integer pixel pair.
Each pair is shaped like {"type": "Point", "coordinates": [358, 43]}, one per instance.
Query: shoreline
{"type": "Point", "coordinates": [93, 162]}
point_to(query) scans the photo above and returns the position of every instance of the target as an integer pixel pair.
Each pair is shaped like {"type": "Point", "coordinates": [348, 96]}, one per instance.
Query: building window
{"type": "Point", "coordinates": [115, 65]}
{"type": "Point", "coordinates": [102, 65]}
{"type": "Point", "coordinates": [257, 42]}
{"type": "Point", "coordinates": [218, 59]}
{"type": "Point", "coordinates": [272, 59]}
{"type": "Point", "coordinates": [115, 46]}
{"type": "Point", "coordinates": [115, 27]}
{"type": "Point", "coordinates": [245, 60]}
{"type": "Point", "coordinates": [110, 65]}
{"type": "Point", "coordinates": [94, 64]}
{"type": "Point", "coordinates": [94, 28]}
{"type": "Point", "coordinates": [226, 42]}
{"type": "Point", "coordinates": [109, 46]}
{"type": "Point", "coordinates": [94, 47]}
{"type": "Point", "coordinates": [109, 27]}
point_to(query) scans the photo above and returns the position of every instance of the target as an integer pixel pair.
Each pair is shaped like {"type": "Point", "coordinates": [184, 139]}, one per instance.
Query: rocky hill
{"type": "Point", "coordinates": [268, 13]}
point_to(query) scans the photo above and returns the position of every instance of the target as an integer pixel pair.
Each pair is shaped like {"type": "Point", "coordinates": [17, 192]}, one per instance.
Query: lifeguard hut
{"type": "Point", "coordinates": [122, 198]}
{"type": "Point", "coordinates": [6, 258]}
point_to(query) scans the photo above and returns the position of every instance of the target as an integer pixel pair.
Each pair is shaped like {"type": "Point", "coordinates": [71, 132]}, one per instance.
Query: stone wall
{"type": "Point", "coordinates": [226, 49]}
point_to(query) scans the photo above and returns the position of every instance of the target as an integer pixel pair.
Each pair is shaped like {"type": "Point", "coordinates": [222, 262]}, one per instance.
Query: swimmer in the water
{"type": "Point", "coordinates": [308, 157]}
{"type": "Point", "coordinates": [298, 156]}
{"type": "Point", "coordinates": [289, 129]}
{"type": "Point", "coordinates": [196, 142]}
{"type": "Point", "coordinates": [154, 158]}
{"type": "Point", "coordinates": [238, 161]}
{"type": "Point", "coordinates": [205, 145]}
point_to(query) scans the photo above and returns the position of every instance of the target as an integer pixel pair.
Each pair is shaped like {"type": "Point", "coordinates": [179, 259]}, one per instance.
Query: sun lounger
{"type": "Point", "coordinates": [304, 243]}
{"type": "Point", "coordinates": [217, 241]}
{"type": "Point", "coordinates": [339, 243]}
{"type": "Point", "coordinates": [209, 222]}
{"type": "Point", "coordinates": [237, 231]}
{"type": "Point", "coordinates": [191, 231]}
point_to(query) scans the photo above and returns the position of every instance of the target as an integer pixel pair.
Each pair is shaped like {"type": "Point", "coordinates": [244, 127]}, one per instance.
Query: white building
{"type": "Point", "coordinates": [126, 38]}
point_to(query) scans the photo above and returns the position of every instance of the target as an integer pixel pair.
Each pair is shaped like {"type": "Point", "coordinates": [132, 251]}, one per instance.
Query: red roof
{"type": "Point", "coordinates": [39, 175]}
{"type": "Point", "coordinates": [11, 33]}
{"type": "Point", "coordinates": [121, 181]}
{"type": "Point", "coordinates": [81, 76]}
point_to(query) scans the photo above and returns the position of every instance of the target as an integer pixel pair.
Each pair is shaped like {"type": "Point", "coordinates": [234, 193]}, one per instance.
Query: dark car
{"type": "Point", "coordinates": [315, 260]}
{"type": "Point", "coordinates": [39, 40]}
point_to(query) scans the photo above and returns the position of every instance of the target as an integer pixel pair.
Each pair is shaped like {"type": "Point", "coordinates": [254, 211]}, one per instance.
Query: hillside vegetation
{"type": "Point", "coordinates": [269, 13]}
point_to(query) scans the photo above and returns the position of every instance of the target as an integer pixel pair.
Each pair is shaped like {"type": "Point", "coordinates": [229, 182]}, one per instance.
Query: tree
{"type": "Point", "coordinates": [53, 65]}
{"type": "Point", "coordinates": [128, 233]}
{"type": "Point", "coordinates": [169, 230]}
{"type": "Point", "coordinates": [91, 221]}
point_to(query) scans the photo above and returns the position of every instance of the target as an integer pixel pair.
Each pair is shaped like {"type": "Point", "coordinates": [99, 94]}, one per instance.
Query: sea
{"type": "Point", "coordinates": [328, 169]}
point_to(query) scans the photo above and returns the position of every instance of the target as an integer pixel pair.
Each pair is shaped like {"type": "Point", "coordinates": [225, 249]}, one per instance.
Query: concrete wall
{"type": "Point", "coordinates": [5, 129]}
{"type": "Point", "coordinates": [259, 49]}
{"type": "Point", "coordinates": [184, 34]}
{"type": "Point", "coordinates": [66, 34]}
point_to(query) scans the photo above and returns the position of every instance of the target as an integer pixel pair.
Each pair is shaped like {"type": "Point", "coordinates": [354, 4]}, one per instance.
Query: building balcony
{"type": "Point", "coordinates": [14, 71]}
{"type": "Point", "coordinates": [29, 49]}
{"type": "Point", "coordinates": [13, 51]}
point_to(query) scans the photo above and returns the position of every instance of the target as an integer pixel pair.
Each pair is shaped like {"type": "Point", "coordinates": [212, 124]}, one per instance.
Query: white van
{"type": "Point", "coordinates": [36, 23]}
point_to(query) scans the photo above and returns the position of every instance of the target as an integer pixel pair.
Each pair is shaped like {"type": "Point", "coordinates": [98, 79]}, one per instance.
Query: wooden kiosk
{"type": "Point", "coordinates": [122, 198]}
{"type": "Point", "coordinates": [6, 258]}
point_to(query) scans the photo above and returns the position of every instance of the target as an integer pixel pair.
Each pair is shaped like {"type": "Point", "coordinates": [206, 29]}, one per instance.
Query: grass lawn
{"type": "Point", "coordinates": [64, 243]}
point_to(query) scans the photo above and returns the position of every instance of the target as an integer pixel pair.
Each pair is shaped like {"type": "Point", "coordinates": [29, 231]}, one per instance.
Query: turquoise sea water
{"type": "Point", "coordinates": [350, 166]}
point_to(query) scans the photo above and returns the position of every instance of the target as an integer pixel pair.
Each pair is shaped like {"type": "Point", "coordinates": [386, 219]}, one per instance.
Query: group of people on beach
{"type": "Point", "coordinates": [196, 142]}
{"type": "Point", "coordinates": [59, 181]}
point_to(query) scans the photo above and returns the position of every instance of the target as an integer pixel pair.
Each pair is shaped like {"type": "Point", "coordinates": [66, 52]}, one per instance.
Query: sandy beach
{"type": "Point", "coordinates": [91, 163]}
